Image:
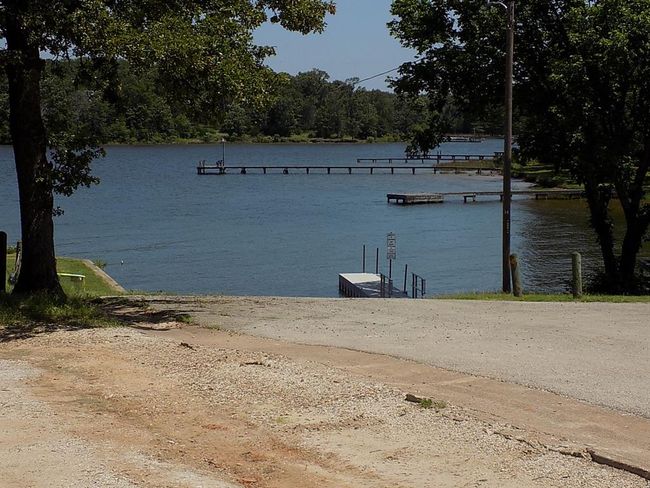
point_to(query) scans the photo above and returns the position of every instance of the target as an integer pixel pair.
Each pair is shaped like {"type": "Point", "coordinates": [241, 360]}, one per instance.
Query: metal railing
{"type": "Point", "coordinates": [418, 286]}
{"type": "Point", "coordinates": [385, 286]}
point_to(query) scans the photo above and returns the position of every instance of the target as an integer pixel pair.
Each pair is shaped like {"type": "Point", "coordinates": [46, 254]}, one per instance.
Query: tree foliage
{"type": "Point", "coordinates": [582, 91]}
{"type": "Point", "coordinates": [198, 47]}
{"type": "Point", "coordinates": [135, 107]}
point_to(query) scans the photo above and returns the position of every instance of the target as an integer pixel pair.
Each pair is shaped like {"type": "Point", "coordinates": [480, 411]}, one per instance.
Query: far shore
{"type": "Point", "coordinates": [272, 141]}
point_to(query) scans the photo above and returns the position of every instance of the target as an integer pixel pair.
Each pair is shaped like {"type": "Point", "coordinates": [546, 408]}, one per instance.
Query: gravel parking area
{"type": "Point", "coordinates": [131, 409]}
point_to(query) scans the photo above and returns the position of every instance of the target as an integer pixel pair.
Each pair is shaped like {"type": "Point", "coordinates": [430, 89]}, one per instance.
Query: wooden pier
{"type": "Point", "coordinates": [538, 194]}
{"type": "Point", "coordinates": [437, 158]}
{"type": "Point", "coordinates": [337, 169]}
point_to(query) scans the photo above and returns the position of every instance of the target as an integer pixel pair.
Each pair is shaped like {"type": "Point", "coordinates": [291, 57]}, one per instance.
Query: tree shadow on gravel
{"type": "Point", "coordinates": [26, 317]}
{"type": "Point", "coordinates": [22, 331]}
{"type": "Point", "coordinates": [22, 317]}
{"type": "Point", "coordinates": [138, 314]}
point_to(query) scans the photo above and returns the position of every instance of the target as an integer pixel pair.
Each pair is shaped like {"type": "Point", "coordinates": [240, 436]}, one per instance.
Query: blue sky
{"type": "Point", "coordinates": [356, 43]}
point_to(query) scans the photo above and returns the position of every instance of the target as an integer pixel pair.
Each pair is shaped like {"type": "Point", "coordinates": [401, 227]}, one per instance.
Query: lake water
{"type": "Point", "coordinates": [292, 234]}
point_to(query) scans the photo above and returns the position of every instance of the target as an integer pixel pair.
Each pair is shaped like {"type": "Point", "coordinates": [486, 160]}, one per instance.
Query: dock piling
{"type": "Point", "coordinates": [517, 289]}
{"type": "Point", "coordinates": [576, 262]}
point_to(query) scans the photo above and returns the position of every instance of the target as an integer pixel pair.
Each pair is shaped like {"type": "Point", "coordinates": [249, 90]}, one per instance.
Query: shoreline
{"type": "Point", "coordinates": [265, 143]}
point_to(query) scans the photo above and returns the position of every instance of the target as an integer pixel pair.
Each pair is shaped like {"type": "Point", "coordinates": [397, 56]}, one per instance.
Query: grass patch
{"type": "Point", "coordinates": [440, 405]}
{"type": "Point", "coordinates": [93, 285]}
{"type": "Point", "coordinates": [542, 297]}
{"type": "Point", "coordinates": [26, 316]}
{"type": "Point", "coordinates": [184, 318]}
{"type": "Point", "coordinates": [428, 403]}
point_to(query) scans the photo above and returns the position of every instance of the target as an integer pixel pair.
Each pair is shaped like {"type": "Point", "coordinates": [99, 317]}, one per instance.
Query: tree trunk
{"type": "Point", "coordinates": [631, 195]}
{"type": "Point", "coordinates": [602, 225]}
{"type": "Point", "coordinates": [636, 229]}
{"type": "Point", "coordinates": [24, 68]}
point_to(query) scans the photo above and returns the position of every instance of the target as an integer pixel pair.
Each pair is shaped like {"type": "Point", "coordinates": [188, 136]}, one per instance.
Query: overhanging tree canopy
{"type": "Point", "coordinates": [201, 46]}
{"type": "Point", "coordinates": [582, 92]}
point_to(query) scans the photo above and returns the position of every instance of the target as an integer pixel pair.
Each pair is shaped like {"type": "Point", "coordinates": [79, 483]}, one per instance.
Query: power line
{"type": "Point", "coordinates": [376, 76]}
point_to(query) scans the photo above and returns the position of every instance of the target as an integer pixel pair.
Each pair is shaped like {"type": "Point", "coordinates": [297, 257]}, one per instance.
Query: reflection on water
{"type": "Point", "coordinates": [292, 234]}
{"type": "Point", "coordinates": [548, 231]}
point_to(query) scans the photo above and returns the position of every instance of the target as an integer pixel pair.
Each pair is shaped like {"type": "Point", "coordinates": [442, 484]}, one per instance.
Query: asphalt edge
{"type": "Point", "coordinates": [618, 464]}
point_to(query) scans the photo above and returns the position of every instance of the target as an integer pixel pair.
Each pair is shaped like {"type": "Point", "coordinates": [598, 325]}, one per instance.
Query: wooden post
{"type": "Point", "coordinates": [516, 278]}
{"type": "Point", "coordinates": [377, 262]}
{"type": "Point", "coordinates": [576, 259]}
{"type": "Point", "coordinates": [3, 262]}
{"type": "Point", "coordinates": [363, 268]}
{"type": "Point", "coordinates": [390, 269]}
{"type": "Point", "coordinates": [406, 271]}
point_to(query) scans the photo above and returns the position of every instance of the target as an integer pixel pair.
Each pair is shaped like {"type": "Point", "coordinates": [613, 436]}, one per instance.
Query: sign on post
{"type": "Point", "coordinates": [391, 246]}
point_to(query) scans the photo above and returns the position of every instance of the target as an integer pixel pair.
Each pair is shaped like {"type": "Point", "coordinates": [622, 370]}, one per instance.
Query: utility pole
{"type": "Point", "coordinates": [507, 149]}
{"type": "Point", "coordinates": [507, 142]}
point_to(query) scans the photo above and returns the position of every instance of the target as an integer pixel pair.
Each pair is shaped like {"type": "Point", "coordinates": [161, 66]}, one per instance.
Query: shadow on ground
{"type": "Point", "coordinates": [21, 331]}
{"type": "Point", "coordinates": [19, 321]}
{"type": "Point", "coordinates": [137, 313]}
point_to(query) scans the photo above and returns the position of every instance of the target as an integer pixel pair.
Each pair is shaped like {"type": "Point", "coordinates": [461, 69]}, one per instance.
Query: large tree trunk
{"type": "Point", "coordinates": [631, 195]}
{"type": "Point", "coordinates": [24, 68]}
{"type": "Point", "coordinates": [602, 225]}
{"type": "Point", "coordinates": [631, 245]}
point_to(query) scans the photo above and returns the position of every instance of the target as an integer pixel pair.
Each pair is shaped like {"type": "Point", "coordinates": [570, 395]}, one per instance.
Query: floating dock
{"type": "Point", "coordinates": [420, 198]}
{"type": "Point", "coordinates": [415, 198]}
{"type": "Point", "coordinates": [368, 285]}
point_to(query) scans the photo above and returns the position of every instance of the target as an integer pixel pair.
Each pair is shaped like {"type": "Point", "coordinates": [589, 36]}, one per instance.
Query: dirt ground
{"type": "Point", "coordinates": [164, 404]}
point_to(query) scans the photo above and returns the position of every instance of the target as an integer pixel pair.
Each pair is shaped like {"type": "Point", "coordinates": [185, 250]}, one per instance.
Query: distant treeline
{"type": "Point", "coordinates": [117, 104]}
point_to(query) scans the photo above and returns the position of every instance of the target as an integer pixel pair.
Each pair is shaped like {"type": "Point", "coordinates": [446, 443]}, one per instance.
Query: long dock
{"type": "Point", "coordinates": [424, 198]}
{"type": "Point", "coordinates": [437, 158]}
{"type": "Point", "coordinates": [338, 169]}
